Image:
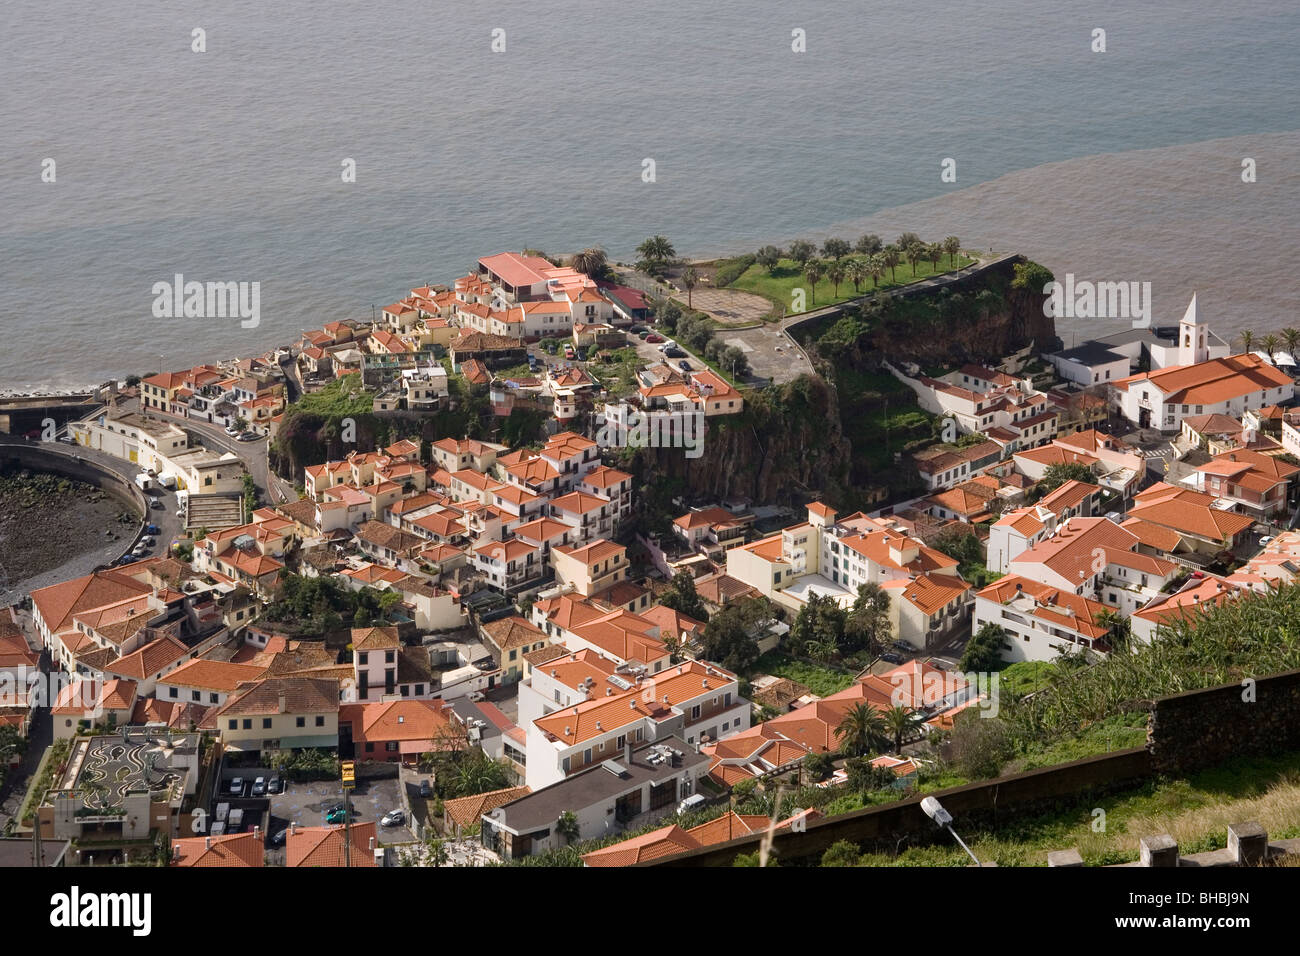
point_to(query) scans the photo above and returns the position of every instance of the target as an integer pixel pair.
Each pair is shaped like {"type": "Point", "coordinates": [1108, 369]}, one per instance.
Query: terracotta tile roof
{"type": "Point", "coordinates": [233, 849]}
{"type": "Point", "coordinates": [213, 675]}
{"type": "Point", "coordinates": [302, 695]}
{"type": "Point", "coordinates": [512, 632]}
{"type": "Point", "coordinates": [150, 659]}
{"type": "Point", "coordinates": [1072, 551]}
{"type": "Point", "coordinates": [1068, 495]}
{"type": "Point", "coordinates": [467, 811]}
{"type": "Point", "coordinates": [324, 846]}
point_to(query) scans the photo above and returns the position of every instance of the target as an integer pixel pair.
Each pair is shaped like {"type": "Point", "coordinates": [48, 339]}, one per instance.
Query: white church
{"type": "Point", "coordinates": [1112, 357]}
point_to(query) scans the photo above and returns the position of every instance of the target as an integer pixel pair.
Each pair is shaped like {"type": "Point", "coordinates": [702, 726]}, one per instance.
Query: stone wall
{"type": "Point", "coordinates": [1202, 728]}
{"type": "Point", "coordinates": [895, 826]}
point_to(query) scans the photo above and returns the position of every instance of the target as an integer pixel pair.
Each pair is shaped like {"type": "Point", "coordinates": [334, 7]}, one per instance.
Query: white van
{"type": "Point", "coordinates": [693, 802]}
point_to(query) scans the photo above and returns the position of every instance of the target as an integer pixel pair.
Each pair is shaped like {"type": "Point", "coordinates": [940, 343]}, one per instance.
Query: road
{"type": "Point", "coordinates": [39, 737]}
{"type": "Point", "coordinates": [271, 488]}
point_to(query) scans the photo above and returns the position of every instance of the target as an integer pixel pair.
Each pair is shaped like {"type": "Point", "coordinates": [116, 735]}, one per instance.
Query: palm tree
{"type": "Point", "coordinates": [813, 270]}
{"type": "Point", "coordinates": [856, 269]}
{"type": "Point", "coordinates": [590, 262]}
{"type": "Point", "coordinates": [892, 256]}
{"type": "Point", "coordinates": [901, 721]}
{"type": "Point", "coordinates": [876, 266]}
{"type": "Point", "coordinates": [1291, 337]}
{"type": "Point", "coordinates": [1270, 343]}
{"type": "Point", "coordinates": [861, 730]}
{"type": "Point", "coordinates": [690, 279]}
{"type": "Point", "coordinates": [657, 249]}
{"type": "Point", "coordinates": [952, 246]}
{"type": "Point", "coordinates": [835, 272]}
{"type": "Point", "coordinates": [1247, 340]}
{"type": "Point", "coordinates": [915, 255]}
{"type": "Point", "coordinates": [934, 252]}
{"type": "Point", "coordinates": [567, 826]}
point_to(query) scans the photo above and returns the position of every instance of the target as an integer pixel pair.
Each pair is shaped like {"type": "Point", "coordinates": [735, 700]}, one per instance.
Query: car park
{"type": "Point", "coordinates": [393, 818]}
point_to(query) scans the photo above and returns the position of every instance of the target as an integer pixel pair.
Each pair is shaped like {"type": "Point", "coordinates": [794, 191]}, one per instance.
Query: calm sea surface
{"type": "Point", "coordinates": [225, 165]}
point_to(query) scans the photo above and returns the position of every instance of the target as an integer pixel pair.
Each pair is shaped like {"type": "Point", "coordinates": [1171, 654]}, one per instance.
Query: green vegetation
{"type": "Point", "coordinates": [306, 764]}
{"type": "Point", "coordinates": [729, 270]}
{"type": "Point", "coordinates": [822, 679]}
{"type": "Point", "coordinates": [778, 283]}
{"type": "Point", "coordinates": [681, 597]}
{"type": "Point", "coordinates": [303, 605]}
{"type": "Point", "coordinates": [656, 253]}
{"type": "Point", "coordinates": [1195, 810]}
{"type": "Point", "coordinates": [50, 767]}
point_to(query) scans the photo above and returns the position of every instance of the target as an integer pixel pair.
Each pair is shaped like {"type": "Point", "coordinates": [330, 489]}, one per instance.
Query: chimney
{"type": "Point", "coordinates": [627, 751]}
{"type": "Point", "coordinates": [293, 827]}
{"type": "Point", "coordinates": [372, 844]}
{"type": "Point", "coordinates": [284, 706]}
{"type": "Point", "coordinates": [207, 843]}
{"type": "Point", "coordinates": [257, 833]}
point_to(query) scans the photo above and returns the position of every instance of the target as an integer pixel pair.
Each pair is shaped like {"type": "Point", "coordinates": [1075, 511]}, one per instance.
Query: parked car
{"type": "Point", "coordinates": [684, 365]}
{"type": "Point", "coordinates": [1265, 540]}
{"type": "Point", "coordinates": [335, 814]}
{"type": "Point", "coordinates": [673, 351]}
{"type": "Point", "coordinates": [151, 529]}
{"type": "Point", "coordinates": [237, 785]}
{"type": "Point", "coordinates": [259, 787]}
{"type": "Point", "coordinates": [157, 505]}
{"type": "Point", "coordinates": [654, 337]}
{"type": "Point", "coordinates": [278, 838]}
{"type": "Point", "coordinates": [644, 334]}
{"type": "Point", "coordinates": [249, 436]}
{"type": "Point", "coordinates": [393, 818]}
{"type": "Point", "coordinates": [426, 791]}
{"type": "Point", "coordinates": [275, 786]}
{"type": "Point", "coordinates": [892, 658]}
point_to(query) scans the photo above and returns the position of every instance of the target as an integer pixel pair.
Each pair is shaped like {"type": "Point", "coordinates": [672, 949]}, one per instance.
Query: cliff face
{"type": "Point", "coordinates": [786, 445]}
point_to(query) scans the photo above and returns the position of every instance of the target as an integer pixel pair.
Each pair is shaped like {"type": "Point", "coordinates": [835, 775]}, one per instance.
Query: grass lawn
{"type": "Point", "coordinates": [779, 285]}
{"type": "Point", "coordinates": [1195, 811]}
{"type": "Point", "coordinates": [820, 679]}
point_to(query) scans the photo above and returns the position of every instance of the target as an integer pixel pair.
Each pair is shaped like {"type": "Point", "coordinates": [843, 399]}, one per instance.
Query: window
{"type": "Point", "coordinates": [248, 723]}
{"type": "Point", "coordinates": [171, 692]}
{"type": "Point", "coordinates": [234, 724]}
{"type": "Point", "coordinates": [586, 755]}
{"type": "Point", "coordinates": [391, 746]}
{"type": "Point", "coordinates": [195, 696]}
{"type": "Point", "coordinates": [320, 721]}
{"type": "Point", "coordinates": [214, 698]}
{"type": "Point", "coordinates": [370, 748]}
{"type": "Point", "coordinates": [695, 712]}
{"type": "Point", "coordinates": [266, 723]}
{"type": "Point", "coordinates": [363, 657]}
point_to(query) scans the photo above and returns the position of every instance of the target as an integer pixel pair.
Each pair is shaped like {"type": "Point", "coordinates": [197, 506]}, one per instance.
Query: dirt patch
{"type": "Point", "coordinates": [47, 519]}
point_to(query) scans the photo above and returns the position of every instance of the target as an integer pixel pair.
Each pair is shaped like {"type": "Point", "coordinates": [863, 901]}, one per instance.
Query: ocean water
{"type": "Point", "coordinates": [225, 165]}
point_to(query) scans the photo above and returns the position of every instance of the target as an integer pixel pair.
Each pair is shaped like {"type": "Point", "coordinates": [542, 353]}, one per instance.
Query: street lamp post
{"type": "Point", "coordinates": [935, 811]}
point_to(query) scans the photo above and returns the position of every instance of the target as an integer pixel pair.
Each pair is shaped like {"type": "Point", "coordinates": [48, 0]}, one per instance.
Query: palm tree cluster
{"type": "Point", "coordinates": [1271, 342]}
{"type": "Point", "coordinates": [869, 258]}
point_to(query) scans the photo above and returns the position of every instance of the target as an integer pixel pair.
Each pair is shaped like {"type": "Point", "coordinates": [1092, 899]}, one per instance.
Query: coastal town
{"type": "Point", "coordinates": [407, 591]}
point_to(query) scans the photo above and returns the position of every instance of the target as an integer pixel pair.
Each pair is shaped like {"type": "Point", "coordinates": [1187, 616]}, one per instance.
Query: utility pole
{"type": "Point", "coordinates": [349, 781]}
